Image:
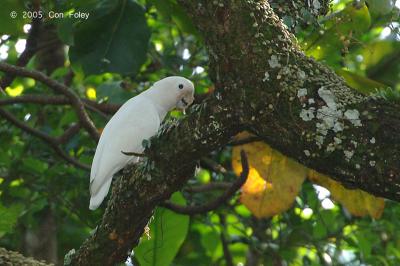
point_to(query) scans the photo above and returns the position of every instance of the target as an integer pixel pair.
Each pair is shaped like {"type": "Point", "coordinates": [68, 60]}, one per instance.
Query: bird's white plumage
{"type": "Point", "coordinates": [136, 120]}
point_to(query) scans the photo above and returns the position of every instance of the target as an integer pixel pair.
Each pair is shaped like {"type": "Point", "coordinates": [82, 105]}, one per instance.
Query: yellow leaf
{"type": "Point", "coordinates": [91, 93]}
{"type": "Point", "coordinates": [273, 182]}
{"type": "Point", "coordinates": [16, 91]}
{"type": "Point", "coordinates": [356, 201]}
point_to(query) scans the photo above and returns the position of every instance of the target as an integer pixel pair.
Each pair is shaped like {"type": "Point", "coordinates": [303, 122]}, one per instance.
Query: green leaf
{"type": "Point", "coordinates": [5, 160]}
{"type": "Point", "coordinates": [113, 92]}
{"type": "Point", "coordinates": [212, 243]}
{"type": "Point", "coordinates": [9, 25]}
{"type": "Point", "coordinates": [9, 217]}
{"type": "Point", "coordinates": [65, 5]}
{"type": "Point", "coordinates": [168, 230]}
{"type": "Point", "coordinates": [319, 229]}
{"type": "Point", "coordinates": [381, 61]}
{"type": "Point", "coordinates": [35, 165]}
{"type": "Point", "coordinates": [171, 9]}
{"type": "Point", "coordinates": [364, 243]}
{"type": "Point", "coordinates": [360, 83]}
{"type": "Point", "coordinates": [340, 31]}
{"type": "Point", "coordinates": [68, 117]}
{"type": "Point", "coordinates": [65, 30]}
{"type": "Point", "coordinates": [113, 39]}
{"type": "Point", "coordinates": [380, 7]}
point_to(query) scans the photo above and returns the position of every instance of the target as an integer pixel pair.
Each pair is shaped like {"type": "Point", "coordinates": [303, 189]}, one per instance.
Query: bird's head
{"type": "Point", "coordinates": [185, 93]}
{"type": "Point", "coordinates": [180, 88]}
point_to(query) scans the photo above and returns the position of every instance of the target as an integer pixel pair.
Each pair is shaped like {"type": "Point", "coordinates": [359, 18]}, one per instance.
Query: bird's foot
{"type": "Point", "coordinates": [133, 154]}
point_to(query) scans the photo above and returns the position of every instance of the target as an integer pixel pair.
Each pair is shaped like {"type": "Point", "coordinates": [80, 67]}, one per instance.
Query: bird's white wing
{"type": "Point", "coordinates": [135, 121]}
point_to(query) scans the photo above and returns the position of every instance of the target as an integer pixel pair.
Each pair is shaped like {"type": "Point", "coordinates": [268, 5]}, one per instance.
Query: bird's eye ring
{"type": "Point", "coordinates": [180, 86]}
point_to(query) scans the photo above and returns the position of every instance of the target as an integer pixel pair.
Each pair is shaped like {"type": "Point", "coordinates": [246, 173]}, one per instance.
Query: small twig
{"type": "Point", "coordinates": [96, 110]}
{"type": "Point", "coordinates": [227, 253]}
{"type": "Point", "coordinates": [60, 88]}
{"type": "Point", "coordinates": [68, 158]}
{"type": "Point", "coordinates": [245, 141]}
{"type": "Point", "coordinates": [71, 131]}
{"type": "Point", "coordinates": [209, 187]}
{"type": "Point", "coordinates": [133, 154]}
{"type": "Point", "coordinates": [211, 164]}
{"type": "Point", "coordinates": [69, 77]}
{"type": "Point", "coordinates": [108, 108]}
{"type": "Point", "coordinates": [212, 205]}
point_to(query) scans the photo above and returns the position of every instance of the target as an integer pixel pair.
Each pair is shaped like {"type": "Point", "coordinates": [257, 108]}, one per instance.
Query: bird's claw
{"type": "Point", "coordinates": [133, 154]}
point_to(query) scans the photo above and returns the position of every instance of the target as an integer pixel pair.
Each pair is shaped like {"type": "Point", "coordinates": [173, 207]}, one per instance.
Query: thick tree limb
{"type": "Point", "coordinates": [264, 84]}
{"type": "Point", "coordinates": [60, 88]}
{"type": "Point", "coordinates": [12, 258]}
{"type": "Point", "coordinates": [255, 54]}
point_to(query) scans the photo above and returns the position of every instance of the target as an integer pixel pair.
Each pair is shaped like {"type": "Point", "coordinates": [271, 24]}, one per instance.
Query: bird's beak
{"type": "Point", "coordinates": [184, 102]}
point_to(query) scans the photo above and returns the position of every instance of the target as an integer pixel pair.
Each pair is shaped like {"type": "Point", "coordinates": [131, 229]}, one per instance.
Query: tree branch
{"type": "Point", "coordinates": [59, 100]}
{"type": "Point", "coordinates": [171, 161]}
{"type": "Point", "coordinates": [211, 164]}
{"type": "Point", "coordinates": [260, 74]}
{"type": "Point", "coordinates": [37, 99]}
{"type": "Point", "coordinates": [51, 141]}
{"type": "Point", "coordinates": [16, 259]}
{"type": "Point", "coordinates": [69, 133]}
{"type": "Point", "coordinates": [214, 204]}
{"type": "Point", "coordinates": [32, 131]}
{"type": "Point", "coordinates": [60, 88]}
{"type": "Point", "coordinates": [272, 68]}
{"type": "Point", "coordinates": [208, 187]}
{"type": "Point", "coordinates": [225, 244]}
{"type": "Point", "coordinates": [245, 141]}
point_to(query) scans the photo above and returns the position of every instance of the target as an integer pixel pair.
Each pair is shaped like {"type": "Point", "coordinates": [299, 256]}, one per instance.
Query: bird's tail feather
{"type": "Point", "coordinates": [97, 198]}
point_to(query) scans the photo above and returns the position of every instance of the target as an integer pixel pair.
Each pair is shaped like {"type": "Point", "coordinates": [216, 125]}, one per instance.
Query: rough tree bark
{"type": "Point", "coordinates": [265, 84]}
{"type": "Point", "coordinates": [12, 258]}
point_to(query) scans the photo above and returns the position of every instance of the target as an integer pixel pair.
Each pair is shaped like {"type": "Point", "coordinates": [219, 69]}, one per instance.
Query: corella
{"type": "Point", "coordinates": [137, 120]}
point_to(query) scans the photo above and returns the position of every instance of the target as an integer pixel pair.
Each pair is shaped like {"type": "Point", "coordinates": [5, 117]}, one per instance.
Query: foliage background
{"type": "Point", "coordinates": [120, 51]}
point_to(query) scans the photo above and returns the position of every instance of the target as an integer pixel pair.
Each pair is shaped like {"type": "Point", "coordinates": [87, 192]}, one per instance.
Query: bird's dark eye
{"type": "Point", "coordinates": [180, 86]}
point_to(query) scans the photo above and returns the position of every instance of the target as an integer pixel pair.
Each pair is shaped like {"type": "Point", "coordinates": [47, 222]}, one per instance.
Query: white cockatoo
{"type": "Point", "coordinates": [138, 119]}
